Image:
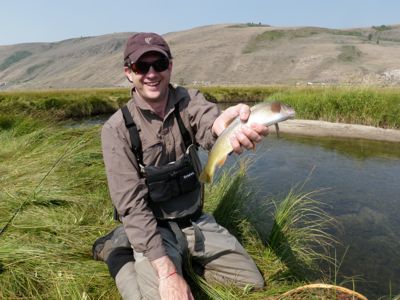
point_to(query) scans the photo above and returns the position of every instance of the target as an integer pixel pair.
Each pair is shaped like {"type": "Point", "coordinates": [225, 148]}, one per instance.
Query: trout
{"type": "Point", "coordinates": [263, 113]}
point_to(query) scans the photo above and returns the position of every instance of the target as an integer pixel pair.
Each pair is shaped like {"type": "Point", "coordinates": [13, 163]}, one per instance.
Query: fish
{"type": "Point", "coordinates": [266, 113]}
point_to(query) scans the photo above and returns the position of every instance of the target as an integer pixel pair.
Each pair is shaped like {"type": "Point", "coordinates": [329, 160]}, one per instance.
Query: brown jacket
{"type": "Point", "coordinates": [162, 143]}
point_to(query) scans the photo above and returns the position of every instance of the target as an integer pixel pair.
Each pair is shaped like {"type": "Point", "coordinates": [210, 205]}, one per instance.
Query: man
{"type": "Point", "coordinates": [152, 169]}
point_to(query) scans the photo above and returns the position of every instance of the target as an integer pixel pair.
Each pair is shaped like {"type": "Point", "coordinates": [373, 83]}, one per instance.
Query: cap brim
{"type": "Point", "coordinates": [137, 54]}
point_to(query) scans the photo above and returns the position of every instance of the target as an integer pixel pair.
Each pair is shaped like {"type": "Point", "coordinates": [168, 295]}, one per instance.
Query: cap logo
{"type": "Point", "coordinates": [148, 40]}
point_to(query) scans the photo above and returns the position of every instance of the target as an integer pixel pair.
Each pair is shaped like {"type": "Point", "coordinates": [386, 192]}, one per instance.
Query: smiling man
{"type": "Point", "coordinates": [149, 148]}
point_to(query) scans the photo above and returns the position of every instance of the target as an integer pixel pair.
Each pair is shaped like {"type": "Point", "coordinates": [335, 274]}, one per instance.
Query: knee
{"type": "Point", "coordinates": [117, 259]}
{"type": "Point", "coordinates": [258, 283]}
{"type": "Point", "coordinates": [254, 280]}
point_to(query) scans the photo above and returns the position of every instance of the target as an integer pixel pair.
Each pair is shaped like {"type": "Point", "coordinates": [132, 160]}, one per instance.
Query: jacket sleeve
{"type": "Point", "coordinates": [202, 115]}
{"type": "Point", "coordinates": [128, 193]}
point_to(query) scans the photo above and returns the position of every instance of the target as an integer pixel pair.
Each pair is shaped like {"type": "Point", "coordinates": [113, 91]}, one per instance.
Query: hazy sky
{"type": "Point", "coordinates": [55, 20]}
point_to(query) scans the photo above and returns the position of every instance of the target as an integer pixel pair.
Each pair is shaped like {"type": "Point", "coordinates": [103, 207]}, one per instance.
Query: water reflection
{"type": "Point", "coordinates": [362, 182]}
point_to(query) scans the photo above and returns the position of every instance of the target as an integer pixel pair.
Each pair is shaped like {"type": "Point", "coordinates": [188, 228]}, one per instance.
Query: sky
{"type": "Point", "coordinates": [55, 20]}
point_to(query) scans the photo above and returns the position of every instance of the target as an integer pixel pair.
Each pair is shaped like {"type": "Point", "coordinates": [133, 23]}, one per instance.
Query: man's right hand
{"type": "Point", "coordinates": [171, 286]}
{"type": "Point", "coordinates": [174, 287]}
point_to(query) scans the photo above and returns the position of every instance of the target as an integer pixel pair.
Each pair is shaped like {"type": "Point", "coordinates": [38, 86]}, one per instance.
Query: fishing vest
{"type": "Point", "coordinates": [174, 190]}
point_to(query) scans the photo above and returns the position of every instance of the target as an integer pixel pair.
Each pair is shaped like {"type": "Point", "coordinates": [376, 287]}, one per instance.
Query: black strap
{"type": "Point", "coordinates": [198, 238]}
{"type": "Point", "coordinates": [134, 134]}
{"type": "Point", "coordinates": [182, 222]}
{"type": "Point", "coordinates": [185, 134]}
{"type": "Point", "coordinates": [180, 238]}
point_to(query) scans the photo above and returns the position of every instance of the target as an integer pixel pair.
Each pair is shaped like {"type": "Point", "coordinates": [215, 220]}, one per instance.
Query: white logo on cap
{"type": "Point", "coordinates": [148, 40]}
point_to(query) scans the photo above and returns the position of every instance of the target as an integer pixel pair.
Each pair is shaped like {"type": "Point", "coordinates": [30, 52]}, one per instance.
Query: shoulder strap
{"type": "Point", "coordinates": [134, 135]}
{"type": "Point", "coordinates": [185, 134]}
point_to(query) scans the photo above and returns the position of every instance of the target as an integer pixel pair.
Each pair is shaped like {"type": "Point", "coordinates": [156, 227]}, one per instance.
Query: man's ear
{"type": "Point", "coordinates": [128, 74]}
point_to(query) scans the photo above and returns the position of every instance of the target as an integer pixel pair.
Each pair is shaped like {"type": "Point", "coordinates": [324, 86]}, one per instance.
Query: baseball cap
{"type": "Point", "coordinates": [143, 42]}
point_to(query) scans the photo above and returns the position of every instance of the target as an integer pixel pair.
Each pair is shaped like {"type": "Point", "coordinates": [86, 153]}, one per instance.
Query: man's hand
{"type": "Point", "coordinates": [172, 285]}
{"type": "Point", "coordinates": [245, 136]}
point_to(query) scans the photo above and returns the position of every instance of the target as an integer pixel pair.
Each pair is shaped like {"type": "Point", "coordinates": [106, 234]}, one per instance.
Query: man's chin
{"type": "Point", "coordinates": [154, 96]}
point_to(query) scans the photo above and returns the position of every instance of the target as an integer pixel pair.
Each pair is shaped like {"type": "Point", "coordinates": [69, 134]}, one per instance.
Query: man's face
{"type": "Point", "coordinates": [152, 85]}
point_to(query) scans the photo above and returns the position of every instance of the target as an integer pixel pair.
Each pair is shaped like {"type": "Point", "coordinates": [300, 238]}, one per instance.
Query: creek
{"type": "Point", "coordinates": [360, 183]}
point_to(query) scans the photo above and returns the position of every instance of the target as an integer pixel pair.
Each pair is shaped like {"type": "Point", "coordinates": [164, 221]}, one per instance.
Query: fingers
{"type": "Point", "coordinates": [224, 120]}
{"type": "Point", "coordinates": [244, 138]}
{"type": "Point", "coordinates": [260, 129]}
{"type": "Point", "coordinates": [228, 115]}
{"type": "Point", "coordinates": [235, 143]}
{"type": "Point", "coordinates": [243, 111]}
{"type": "Point", "coordinates": [247, 137]}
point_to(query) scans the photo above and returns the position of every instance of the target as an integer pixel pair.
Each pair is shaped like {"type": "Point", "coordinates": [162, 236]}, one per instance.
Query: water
{"type": "Point", "coordinates": [362, 191]}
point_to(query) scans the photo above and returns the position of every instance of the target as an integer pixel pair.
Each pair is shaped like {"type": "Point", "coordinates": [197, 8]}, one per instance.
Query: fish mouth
{"type": "Point", "coordinates": [287, 110]}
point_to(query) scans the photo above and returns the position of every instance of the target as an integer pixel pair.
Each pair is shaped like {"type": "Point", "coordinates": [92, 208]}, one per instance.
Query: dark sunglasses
{"type": "Point", "coordinates": [142, 67]}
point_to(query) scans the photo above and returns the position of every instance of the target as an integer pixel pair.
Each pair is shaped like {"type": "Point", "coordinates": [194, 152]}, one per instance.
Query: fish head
{"type": "Point", "coordinates": [286, 110]}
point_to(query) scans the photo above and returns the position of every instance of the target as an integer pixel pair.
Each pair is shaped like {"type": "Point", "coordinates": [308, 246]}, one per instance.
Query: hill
{"type": "Point", "coordinates": [217, 54]}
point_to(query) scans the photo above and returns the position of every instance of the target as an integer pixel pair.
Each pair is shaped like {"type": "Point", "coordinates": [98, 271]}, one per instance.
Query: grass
{"type": "Point", "coordinates": [63, 104]}
{"type": "Point", "coordinates": [53, 183]}
{"type": "Point", "coordinates": [379, 107]}
{"type": "Point", "coordinates": [54, 178]}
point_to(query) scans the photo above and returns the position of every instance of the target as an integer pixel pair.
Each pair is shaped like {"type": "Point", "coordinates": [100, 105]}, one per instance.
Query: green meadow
{"type": "Point", "coordinates": [373, 106]}
{"type": "Point", "coordinates": [54, 200]}
{"type": "Point", "coordinates": [379, 107]}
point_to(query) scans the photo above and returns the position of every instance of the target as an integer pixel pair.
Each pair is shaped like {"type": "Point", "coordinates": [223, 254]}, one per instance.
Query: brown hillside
{"type": "Point", "coordinates": [217, 54]}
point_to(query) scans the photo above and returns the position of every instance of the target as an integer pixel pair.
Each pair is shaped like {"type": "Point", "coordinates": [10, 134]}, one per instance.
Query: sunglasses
{"type": "Point", "coordinates": [142, 67]}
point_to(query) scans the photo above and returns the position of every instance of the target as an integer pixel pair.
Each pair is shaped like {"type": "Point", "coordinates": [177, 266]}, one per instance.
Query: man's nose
{"type": "Point", "coordinates": [151, 71]}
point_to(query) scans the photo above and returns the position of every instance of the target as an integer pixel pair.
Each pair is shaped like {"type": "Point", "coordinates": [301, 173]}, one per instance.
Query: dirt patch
{"type": "Point", "coordinates": [322, 128]}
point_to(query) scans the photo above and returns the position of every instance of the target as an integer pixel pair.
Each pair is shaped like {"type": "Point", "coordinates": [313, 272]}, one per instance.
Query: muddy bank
{"type": "Point", "coordinates": [322, 128]}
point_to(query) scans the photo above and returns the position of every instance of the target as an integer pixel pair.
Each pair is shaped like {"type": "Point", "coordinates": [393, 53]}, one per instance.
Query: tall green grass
{"type": "Point", "coordinates": [373, 106]}
{"type": "Point", "coordinates": [378, 107]}
{"type": "Point", "coordinates": [53, 178]}
{"type": "Point", "coordinates": [62, 104]}
{"type": "Point", "coordinates": [54, 185]}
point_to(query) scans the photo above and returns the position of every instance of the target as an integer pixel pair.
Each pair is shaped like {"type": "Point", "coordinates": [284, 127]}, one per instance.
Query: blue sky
{"type": "Point", "coordinates": [55, 20]}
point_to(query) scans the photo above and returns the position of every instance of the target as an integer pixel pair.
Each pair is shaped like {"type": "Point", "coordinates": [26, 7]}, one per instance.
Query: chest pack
{"type": "Point", "coordinates": [174, 191]}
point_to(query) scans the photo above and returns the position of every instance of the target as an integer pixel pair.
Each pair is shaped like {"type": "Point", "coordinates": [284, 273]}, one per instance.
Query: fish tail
{"type": "Point", "coordinates": [205, 177]}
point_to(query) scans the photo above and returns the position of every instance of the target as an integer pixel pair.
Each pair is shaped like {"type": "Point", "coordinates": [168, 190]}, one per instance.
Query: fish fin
{"type": "Point", "coordinates": [221, 162]}
{"type": "Point", "coordinates": [205, 177]}
{"type": "Point", "coordinates": [277, 130]}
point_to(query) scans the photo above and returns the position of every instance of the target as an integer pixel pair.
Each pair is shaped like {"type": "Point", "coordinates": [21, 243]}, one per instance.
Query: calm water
{"type": "Point", "coordinates": [362, 182]}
